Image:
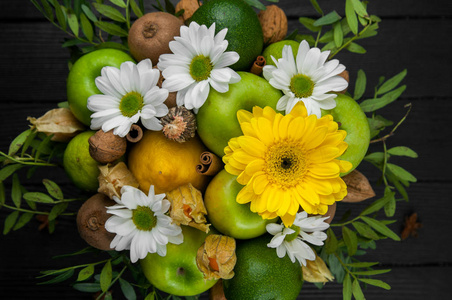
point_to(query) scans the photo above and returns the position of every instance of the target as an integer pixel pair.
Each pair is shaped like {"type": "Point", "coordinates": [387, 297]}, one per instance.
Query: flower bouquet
{"type": "Point", "coordinates": [210, 148]}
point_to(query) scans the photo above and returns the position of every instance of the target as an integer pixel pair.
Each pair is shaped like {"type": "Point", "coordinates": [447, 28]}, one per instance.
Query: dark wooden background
{"type": "Point", "coordinates": [414, 34]}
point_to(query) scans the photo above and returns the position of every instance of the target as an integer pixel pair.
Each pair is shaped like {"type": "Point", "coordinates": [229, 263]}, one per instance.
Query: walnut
{"type": "Point", "coordinates": [189, 7]}
{"type": "Point", "coordinates": [105, 147]}
{"type": "Point", "coordinates": [274, 24]}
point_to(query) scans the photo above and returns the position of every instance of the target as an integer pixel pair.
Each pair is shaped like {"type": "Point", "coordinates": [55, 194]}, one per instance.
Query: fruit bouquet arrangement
{"type": "Point", "coordinates": [210, 148]}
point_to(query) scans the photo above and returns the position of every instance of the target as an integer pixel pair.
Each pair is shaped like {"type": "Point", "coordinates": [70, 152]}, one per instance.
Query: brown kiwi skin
{"type": "Point", "coordinates": [150, 35]}
{"type": "Point", "coordinates": [91, 219]}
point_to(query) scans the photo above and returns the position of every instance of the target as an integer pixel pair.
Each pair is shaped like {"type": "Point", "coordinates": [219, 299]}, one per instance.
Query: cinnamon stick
{"type": "Point", "coordinates": [209, 165]}
{"type": "Point", "coordinates": [258, 65]}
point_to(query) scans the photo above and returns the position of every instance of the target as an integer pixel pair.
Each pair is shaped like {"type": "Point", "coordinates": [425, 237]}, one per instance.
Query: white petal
{"type": "Point", "coordinates": [301, 55]}
{"type": "Point", "coordinates": [227, 59]}
{"type": "Point", "coordinates": [309, 65]}
{"type": "Point", "coordinates": [274, 228]}
{"type": "Point", "coordinates": [102, 102]}
{"type": "Point", "coordinates": [152, 124]}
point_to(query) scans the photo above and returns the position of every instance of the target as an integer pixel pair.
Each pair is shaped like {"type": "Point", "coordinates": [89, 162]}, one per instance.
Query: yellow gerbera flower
{"type": "Point", "coordinates": [285, 162]}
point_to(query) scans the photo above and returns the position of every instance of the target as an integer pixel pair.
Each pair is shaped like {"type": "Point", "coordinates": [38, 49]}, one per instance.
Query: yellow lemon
{"type": "Point", "coordinates": [166, 164]}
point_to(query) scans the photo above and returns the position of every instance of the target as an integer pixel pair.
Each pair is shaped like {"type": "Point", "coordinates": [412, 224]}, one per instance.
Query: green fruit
{"type": "Point", "coordinates": [217, 118]}
{"type": "Point", "coordinates": [275, 50]}
{"type": "Point", "coordinates": [81, 80]}
{"type": "Point", "coordinates": [261, 275]}
{"type": "Point", "coordinates": [353, 120]}
{"type": "Point", "coordinates": [228, 216]}
{"type": "Point", "coordinates": [81, 168]}
{"type": "Point", "coordinates": [177, 272]}
{"type": "Point", "coordinates": [244, 29]}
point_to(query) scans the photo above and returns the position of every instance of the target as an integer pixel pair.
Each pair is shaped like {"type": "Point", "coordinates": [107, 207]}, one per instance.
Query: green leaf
{"type": "Point", "coordinates": [375, 158]}
{"type": "Point", "coordinates": [85, 273]}
{"type": "Point", "coordinates": [10, 220]}
{"type": "Point", "coordinates": [381, 228]}
{"type": "Point", "coordinates": [401, 172]}
{"type": "Point", "coordinates": [309, 24]}
{"type": "Point", "coordinates": [61, 16]}
{"type": "Point", "coordinates": [150, 296]}
{"type": "Point", "coordinates": [376, 282]}
{"type": "Point", "coordinates": [28, 141]}
{"type": "Point", "coordinates": [361, 264]}
{"type": "Point", "coordinates": [350, 239]}
{"type": "Point", "coordinates": [372, 272]}
{"type": "Point", "coordinates": [391, 83]}
{"type": "Point", "coordinates": [359, 8]}
{"type": "Point", "coordinates": [378, 204]}
{"type": "Point", "coordinates": [38, 6]}
{"type": "Point", "coordinates": [87, 28]}
{"type": "Point", "coordinates": [402, 151]}
{"type": "Point", "coordinates": [18, 142]}
{"type": "Point", "coordinates": [256, 4]}
{"type": "Point", "coordinates": [352, 19]}
{"type": "Point", "coordinates": [355, 48]}
{"type": "Point", "coordinates": [53, 189]}
{"type": "Point", "coordinates": [106, 276]}
{"type": "Point", "coordinates": [119, 3]}
{"type": "Point", "coordinates": [2, 194]}
{"type": "Point", "coordinates": [23, 220]}
{"type": "Point", "coordinates": [127, 289]}
{"type": "Point", "coordinates": [316, 6]}
{"type": "Point", "coordinates": [87, 287]}
{"type": "Point", "coordinates": [73, 23]}
{"type": "Point", "coordinates": [357, 291]}
{"type": "Point", "coordinates": [371, 105]}
{"type": "Point", "coordinates": [43, 147]}
{"type": "Point", "coordinates": [347, 288]}
{"type": "Point", "coordinates": [38, 197]}
{"type": "Point", "coordinates": [360, 84]}
{"type": "Point", "coordinates": [136, 10]}
{"type": "Point", "coordinates": [338, 34]}
{"type": "Point", "coordinates": [169, 7]}
{"type": "Point", "coordinates": [89, 13]}
{"type": "Point", "coordinates": [390, 208]}
{"type": "Point", "coordinates": [109, 12]}
{"type": "Point", "coordinates": [57, 210]}
{"type": "Point", "coordinates": [60, 278]}
{"type": "Point", "coordinates": [370, 32]}
{"type": "Point", "coordinates": [16, 192]}
{"type": "Point", "coordinates": [331, 242]}
{"type": "Point", "coordinates": [48, 12]}
{"type": "Point", "coordinates": [365, 230]}
{"type": "Point", "coordinates": [112, 29]}
{"type": "Point", "coordinates": [336, 268]}
{"type": "Point", "coordinates": [327, 19]}
{"type": "Point", "coordinates": [5, 172]}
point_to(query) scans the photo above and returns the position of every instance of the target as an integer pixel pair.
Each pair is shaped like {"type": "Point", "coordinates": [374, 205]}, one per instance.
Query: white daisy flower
{"type": "Point", "coordinates": [198, 62]}
{"type": "Point", "coordinates": [129, 93]}
{"type": "Point", "coordinates": [307, 78]}
{"type": "Point", "coordinates": [140, 223]}
{"type": "Point", "coordinates": [291, 240]}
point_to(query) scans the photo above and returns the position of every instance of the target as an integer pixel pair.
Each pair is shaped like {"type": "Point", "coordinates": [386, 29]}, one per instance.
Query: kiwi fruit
{"type": "Point", "coordinates": [91, 219]}
{"type": "Point", "coordinates": [150, 35]}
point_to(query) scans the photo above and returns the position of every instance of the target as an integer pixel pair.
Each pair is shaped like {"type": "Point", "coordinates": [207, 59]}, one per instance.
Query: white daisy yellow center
{"type": "Point", "coordinates": [143, 218]}
{"type": "Point", "coordinates": [131, 104]}
{"type": "Point", "coordinates": [302, 86]}
{"type": "Point", "coordinates": [286, 163]}
{"type": "Point", "coordinates": [200, 67]}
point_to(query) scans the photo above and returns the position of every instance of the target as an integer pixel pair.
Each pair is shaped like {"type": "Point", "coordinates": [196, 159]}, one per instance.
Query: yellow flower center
{"type": "Point", "coordinates": [302, 86]}
{"type": "Point", "coordinates": [200, 68]}
{"type": "Point", "coordinates": [143, 218]}
{"type": "Point", "coordinates": [286, 163]}
{"type": "Point", "coordinates": [131, 104]}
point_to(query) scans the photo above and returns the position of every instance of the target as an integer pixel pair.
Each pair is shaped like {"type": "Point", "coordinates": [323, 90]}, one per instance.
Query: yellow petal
{"type": "Point", "coordinates": [307, 192]}
{"type": "Point", "coordinates": [244, 196]}
{"type": "Point", "coordinates": [296, 129]}
{"type": "Point", "coordinates": [325, 170]}
{"type": "Point", "coordinates": [273, 200]}
{"type": "Point", "coordinates": [334, 138]}
{"type": "Point", "coordinates": [256, 165]}
{"type": "Point", "coordinates": [244, 116]}
{"type": "Point", "coordinates": [259, 203]}
{"type": "Point", "coordinates": [276, 125]}
{"type": "Point", "coordinates": [316, 137]}
{"type": "Point", "coordinates": [258, 111]}
{"type": "Point", "coordinates": [345, 165]}
{"type": "Point", "coordinates": [342, 147]}
{"type": "Point", "coordinates": [236, 164]}
{"type": "Point", "coordinates": [299, 110]}
{"type": "Point", "coordinates": [243, 178]}
{"type": "Point", "coordinates": [243, 157]}
{"type": "Point", "coordinates": [231, 170]}
{"type": "Point", "coordinates": [285, 203]}
{"type": "Point", "coordinates": [247, 129]}
{"type": "Point", "coordinates": [252, 146]}
{"type": "Point", "coordinates": [323, 154]}
{"type": "Point", "coordinates": [269, 113]}
{"type": "Point", "coordinates": [259, 182]}
{"type": "Point", "coordinates": [321, 187]}
{"type": "Point", "coordinates": [284, 125]}
{"type": "Point", "coordinates": [265, 132]}
{"type": "Point", "coordinates": [288, 219]}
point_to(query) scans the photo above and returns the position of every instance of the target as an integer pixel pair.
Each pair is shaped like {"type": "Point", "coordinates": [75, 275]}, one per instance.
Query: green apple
{"type": "Point", "coordinates": [81, 80]}
{"type": "Point", "coordinates": [228, 216]}
{"type": "Point", "coordinates": [177, 272]}
{"type": "Point", "coordinates": [353, 120]}
{"type": "Point", "coordinates": [217, 118]}
{"type": "Point", "coordinates": [275, 50]}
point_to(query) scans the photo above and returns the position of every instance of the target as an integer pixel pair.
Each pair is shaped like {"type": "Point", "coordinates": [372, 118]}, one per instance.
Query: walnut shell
{"type": "Point", "coordinates": [274, 24]}
{"type": "Point", "coordinates": [189, 7]}
{"type": "Point", "coordinates": [105, 147]}
{"type": "Point", "coordinates": [91, 219]}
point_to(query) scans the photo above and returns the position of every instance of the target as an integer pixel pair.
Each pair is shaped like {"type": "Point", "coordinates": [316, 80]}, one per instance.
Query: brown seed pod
{"type": "Point", "coordinates": [189, 7]}
{"type": "Point", "coordinates": [150, 35]}
{"type": "Point", "coordinates": [346, 76]}
{"type": "Point", "coordinates": [91, 219]}
{"type": "Point", "coordinates": [105, 147]}
{"type": "Point", "coordinates": [179, 124]}
{"type": "Point", "coordinates": [274, 24]}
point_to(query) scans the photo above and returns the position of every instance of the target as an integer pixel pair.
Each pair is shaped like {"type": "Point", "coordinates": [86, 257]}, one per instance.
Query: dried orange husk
{"type": "Point", "coordinates": [187, 207]}
{"type": "Point", "coordinates": [358, 187]}
{"type": "Point", "coordinates": [216, 257]}
{"type": "Point", "coordinates": [113, 178]}
{"type": "Point", "coordinates": [60, 122]}
{"type": "Point", "coordinates": [316, 271]}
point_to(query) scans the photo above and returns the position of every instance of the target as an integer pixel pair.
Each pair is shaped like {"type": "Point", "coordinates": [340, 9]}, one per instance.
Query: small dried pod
{"type": "Point", "coordinates": [274, 24]}
{"type": "Point", "coordinates": [105, 147]}
{"type": "Point", "coordinates": [187, 207]}
{"type": "Point", "coordinates": [91, 219]}
{"type": "Point", "coordinates": [358, 187]}
{"type": "Point", "coordinates": [330, 213]}
{"type": "Point", "coordinates": [344, 74]}
{"type": "Point", "coordinates": [60, 122]}
{"type": "Point", "coordinates": [316, 271]}
{"type": "Point", "coordinates": [189, 7]}
{"type": "Point", "coordinates": [113, 178]}
{"type": "Point", "coordinates": [216, 258]}
{"type": "Point", "coordinates": [179, 124]}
